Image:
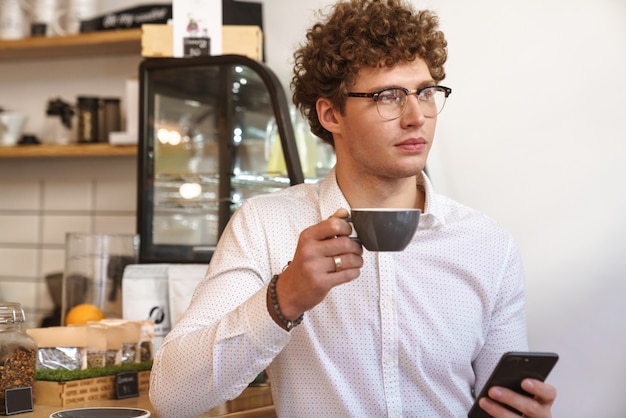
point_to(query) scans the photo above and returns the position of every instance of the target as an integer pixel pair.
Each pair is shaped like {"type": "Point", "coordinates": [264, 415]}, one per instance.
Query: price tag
{"type": "Point", "coordinates": [18, 400]}
{"type": "Point", "coordinates": [195, 47]}
{"type": "Point", "coordinates": [127, 385]}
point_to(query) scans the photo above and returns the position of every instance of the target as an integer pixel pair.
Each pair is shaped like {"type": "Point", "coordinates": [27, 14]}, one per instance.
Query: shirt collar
{"type": "Point", "coordinates": [331, 199]}
{"type": "Point", "coordinates": [433, 210]}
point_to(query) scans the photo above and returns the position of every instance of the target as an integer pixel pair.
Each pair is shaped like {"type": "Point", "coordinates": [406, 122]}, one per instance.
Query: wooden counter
{"type": "Point", "coordinates": [254, 402]}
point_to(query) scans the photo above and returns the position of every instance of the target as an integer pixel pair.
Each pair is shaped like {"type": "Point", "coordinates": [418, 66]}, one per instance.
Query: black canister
{"type": "Point", "coordinates": [110, 120]}
{"type": "Point", "coordinates": [88, 118]}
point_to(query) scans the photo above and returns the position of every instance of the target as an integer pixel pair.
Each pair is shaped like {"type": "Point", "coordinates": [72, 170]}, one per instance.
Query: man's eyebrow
{"type": "Point", "coordinates": [425, 83]}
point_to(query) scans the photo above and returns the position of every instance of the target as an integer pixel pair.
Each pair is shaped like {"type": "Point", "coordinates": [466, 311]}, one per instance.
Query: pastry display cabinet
{"type": "Point", "coordinates": [213, 131]}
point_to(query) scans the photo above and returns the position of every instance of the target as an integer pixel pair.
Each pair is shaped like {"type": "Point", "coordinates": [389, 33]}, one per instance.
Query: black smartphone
{"type": "Point", "coordinates": [512, 368]}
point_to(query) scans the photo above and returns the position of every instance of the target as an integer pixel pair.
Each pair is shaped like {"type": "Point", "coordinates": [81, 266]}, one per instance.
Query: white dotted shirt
{"type": "Point", "coordinates": [415, 335]}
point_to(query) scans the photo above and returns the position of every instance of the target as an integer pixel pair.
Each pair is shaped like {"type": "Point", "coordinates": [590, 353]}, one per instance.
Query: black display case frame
{"type": "Point", "coordinates": [151, 252]}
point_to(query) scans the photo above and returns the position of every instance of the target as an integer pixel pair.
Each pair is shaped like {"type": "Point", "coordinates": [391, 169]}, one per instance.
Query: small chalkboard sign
{"type": "Point", "coordinates": [127, 385]}
{"type": "Point", "coordinates": [196, 47]}
{"type": "Point", "coordinates": [18, 400]}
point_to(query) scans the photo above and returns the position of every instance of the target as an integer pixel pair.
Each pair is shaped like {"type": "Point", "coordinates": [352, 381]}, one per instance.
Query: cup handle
{"type": "Point", "coordinates": [353, 238]}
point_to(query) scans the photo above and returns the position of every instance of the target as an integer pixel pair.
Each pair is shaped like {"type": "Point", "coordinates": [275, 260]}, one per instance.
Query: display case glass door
{"type": "Point", "coordinates": [214, 131]}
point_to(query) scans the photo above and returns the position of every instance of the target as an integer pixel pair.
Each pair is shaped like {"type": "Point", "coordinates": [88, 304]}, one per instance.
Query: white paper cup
{"type": "Point", "coordinates": [11, 126]}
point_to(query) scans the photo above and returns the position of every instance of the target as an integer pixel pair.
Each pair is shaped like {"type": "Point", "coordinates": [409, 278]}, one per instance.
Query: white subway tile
{"type": "Point", "coordinates": [19, 195]}
{"type": "Point", "coordinates": [44, 298]}
{"type": "Point", "coordinates": [20, 291]}
{"type": "Point", "coordinates": [115, 224]}
{"type": "Point", "coordinates": [52, 261]}
{"type": "Point", "coordinates": [68, 194]}
{"type": "Point", "coordinates": [116, 195]}
{"type": "Point", "coordinates": [18, 262]}
{"type": "Point", "coordinates": [56, 227]}
{"type": "Point", "coordinates": [19, 229]}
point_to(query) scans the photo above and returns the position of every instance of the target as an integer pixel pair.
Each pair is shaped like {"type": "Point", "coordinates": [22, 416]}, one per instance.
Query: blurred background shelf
{"type": "Point", "coordinates": [123, 41]}
{"type": "Point", "coordinates": [74, 150]}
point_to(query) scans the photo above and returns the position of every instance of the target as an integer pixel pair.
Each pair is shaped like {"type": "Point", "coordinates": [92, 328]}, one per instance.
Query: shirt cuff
{"type": "Point", "coordinates": [260, 326]}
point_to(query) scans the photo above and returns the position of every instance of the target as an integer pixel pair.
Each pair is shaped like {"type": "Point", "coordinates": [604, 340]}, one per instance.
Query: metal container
{"type": "Point", "coordinates": [88, 115]}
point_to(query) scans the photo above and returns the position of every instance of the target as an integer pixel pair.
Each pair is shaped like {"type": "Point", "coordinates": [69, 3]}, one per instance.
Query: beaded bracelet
{"type": "Point", "coordinates": [287, 323]}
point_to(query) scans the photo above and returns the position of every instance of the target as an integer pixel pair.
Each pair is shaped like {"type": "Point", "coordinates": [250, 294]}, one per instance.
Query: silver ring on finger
{"type": "Point", "coordinates": [338, 263]}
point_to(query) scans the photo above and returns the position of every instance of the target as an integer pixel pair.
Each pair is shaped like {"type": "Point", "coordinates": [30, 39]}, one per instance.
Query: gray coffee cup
{"type": "Point", "coordinates": [384, 229]}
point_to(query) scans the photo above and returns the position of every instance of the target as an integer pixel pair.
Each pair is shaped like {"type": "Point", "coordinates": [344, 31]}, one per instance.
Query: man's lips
{"type": "Point", "coordinates": [412, 145]}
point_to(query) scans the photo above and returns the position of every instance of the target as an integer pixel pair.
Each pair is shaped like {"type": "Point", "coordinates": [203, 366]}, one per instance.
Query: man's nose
{"type": "Point", "coordinates": [413, 108]}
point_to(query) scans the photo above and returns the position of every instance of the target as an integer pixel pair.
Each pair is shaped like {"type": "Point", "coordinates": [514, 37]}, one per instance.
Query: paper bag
{"type": "Point", "coordinates": [145, 295]}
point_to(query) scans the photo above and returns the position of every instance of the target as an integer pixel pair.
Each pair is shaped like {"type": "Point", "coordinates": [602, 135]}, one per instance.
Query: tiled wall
{"type": "Point", "coordinates": [43, 199]}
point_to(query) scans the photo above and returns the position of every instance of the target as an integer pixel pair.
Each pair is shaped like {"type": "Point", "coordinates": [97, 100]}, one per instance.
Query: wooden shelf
{"type": "Point", "coordinates": [93, 44]}
{"type": "Point", "coordinates": [123, 41]}
{"type": "Point", "coordinates": [74, 150]}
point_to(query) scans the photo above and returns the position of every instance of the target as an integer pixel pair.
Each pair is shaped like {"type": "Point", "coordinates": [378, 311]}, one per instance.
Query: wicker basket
{"type": "Point", "coordinates": [78, 391]}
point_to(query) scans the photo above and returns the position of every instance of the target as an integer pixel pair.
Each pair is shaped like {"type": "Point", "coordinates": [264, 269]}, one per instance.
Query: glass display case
{"type": "Point", "coordinates": [213, 132]}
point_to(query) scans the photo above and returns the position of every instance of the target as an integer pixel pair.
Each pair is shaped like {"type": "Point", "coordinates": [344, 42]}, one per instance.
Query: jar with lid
{"type": "Point", "coordinates": [88, 110]}
{"type": "Point", "coordinates": [109, 119]}
{"type": "Point", "coordinates": [18, 351]}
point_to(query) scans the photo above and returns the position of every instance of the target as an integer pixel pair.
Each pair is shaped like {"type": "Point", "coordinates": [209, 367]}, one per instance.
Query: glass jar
{"type": "Point", "coordinates": [88, 110]}
{"type": "Point", "coordinates": [18, 351]}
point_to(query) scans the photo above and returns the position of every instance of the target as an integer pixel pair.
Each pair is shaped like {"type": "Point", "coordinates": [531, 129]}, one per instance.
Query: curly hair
{"type": "Point", "coordinates": [357, 34]}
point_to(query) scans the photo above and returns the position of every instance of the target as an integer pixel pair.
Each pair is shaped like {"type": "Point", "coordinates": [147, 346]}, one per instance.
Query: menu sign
{"type": "Point", "coordinates": [127, 385]}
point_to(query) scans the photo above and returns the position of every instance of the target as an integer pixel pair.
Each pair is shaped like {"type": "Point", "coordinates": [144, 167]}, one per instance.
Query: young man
{"type": "Point", "coordinates": [343, 331]}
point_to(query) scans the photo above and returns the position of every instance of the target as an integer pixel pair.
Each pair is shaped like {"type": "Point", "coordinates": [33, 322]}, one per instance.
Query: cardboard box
{"type": "Point", "coordinates": [243, 40]}
{"type": "Point", "coordinates": [158, 41]}
{"type": "Point", "coordinates": [78, 391]}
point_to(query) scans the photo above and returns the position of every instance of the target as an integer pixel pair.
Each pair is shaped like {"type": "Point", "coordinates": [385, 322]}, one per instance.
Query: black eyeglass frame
{"type": "Point", "coordinates": [376, 94]}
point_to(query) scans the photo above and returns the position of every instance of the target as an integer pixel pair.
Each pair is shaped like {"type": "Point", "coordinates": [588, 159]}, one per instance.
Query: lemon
{"type": "Point", "coordinates": [83, 313]}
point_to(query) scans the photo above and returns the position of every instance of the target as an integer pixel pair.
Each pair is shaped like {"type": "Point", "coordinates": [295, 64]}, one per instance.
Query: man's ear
{"type": "Point", "coordinates": [326, 114]}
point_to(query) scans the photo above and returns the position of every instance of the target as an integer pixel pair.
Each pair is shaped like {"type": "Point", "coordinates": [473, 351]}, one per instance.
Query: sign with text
{"type": "Point", "coordinates": [127, 385]}
{"type": "Point", "coordinates": [197, 24]}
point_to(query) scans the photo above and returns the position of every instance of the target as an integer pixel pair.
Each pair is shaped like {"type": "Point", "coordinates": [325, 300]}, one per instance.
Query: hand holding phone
{"type": "Point", "coordinates": [512, 368]}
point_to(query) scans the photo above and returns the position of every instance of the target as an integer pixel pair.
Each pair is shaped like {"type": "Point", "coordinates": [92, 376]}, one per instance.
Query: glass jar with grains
{"type": "Point", "coordinates": [18, 351]}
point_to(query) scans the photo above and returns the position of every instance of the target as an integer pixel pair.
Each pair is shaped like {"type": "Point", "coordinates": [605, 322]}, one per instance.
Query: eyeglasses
{"type": "Point", "coordinates": [391, 101]}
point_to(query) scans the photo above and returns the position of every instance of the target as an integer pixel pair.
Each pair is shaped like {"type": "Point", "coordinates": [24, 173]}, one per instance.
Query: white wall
{"type": "Point", "coordinates": [534, 135]}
